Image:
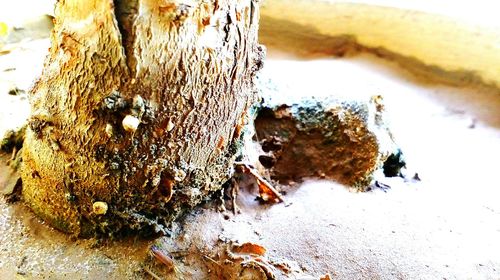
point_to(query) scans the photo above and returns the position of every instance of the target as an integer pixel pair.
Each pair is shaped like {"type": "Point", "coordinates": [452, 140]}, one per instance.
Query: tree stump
{"type": "Point", "coordinates": [138, 112]}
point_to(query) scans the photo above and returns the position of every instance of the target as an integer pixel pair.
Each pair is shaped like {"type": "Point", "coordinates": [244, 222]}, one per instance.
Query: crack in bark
{"type": "Point", "coordinates": [125, 14]}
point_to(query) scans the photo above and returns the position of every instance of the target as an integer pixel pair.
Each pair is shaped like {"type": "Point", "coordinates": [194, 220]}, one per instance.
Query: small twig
{"type": "Point", "coordinates": [212, 260]}
{"type": "Point", "coordinates": [162, 257]}
{"type": "Point", "coordinates": [14, 153]}
{"type": "Point", "coordinates": [382, 186]}
{"type": "Point", "coordinates": [250, 170]}
{"type": "Point", "coordinates": [234, 194]}
{"type": "Point", "coordinates": [152, 274]}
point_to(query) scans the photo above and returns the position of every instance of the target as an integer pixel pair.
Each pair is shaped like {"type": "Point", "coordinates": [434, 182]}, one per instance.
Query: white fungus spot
{"type": "Point", "coordinates": [109, 130]}
{"type": "Point", "coordinates": [170, 126]}
{"type": "Point", "coordinates": [130, 123]}
{"type": "Point", "coordinates": [100, 208]}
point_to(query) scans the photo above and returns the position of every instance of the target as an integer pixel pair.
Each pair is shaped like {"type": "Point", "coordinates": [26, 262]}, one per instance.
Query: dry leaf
{"type": "Point", "coordinates": [249, 248]}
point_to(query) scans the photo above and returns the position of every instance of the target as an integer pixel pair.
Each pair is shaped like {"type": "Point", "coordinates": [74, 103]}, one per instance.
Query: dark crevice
{"type": "Point", "coordinates": [125, 13]}
{"type": "Point", "coordinates": [393, 164]}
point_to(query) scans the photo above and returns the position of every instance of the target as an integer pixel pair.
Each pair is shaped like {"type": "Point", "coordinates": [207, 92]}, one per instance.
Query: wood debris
{"type": "Point", "coordinates": [266, 191]}
{"type": "Point", "coordinates": [162, 257]}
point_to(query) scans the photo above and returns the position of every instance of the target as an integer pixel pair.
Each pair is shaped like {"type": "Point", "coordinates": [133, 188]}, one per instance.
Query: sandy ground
{"type": "Point", "coordinates": [445, 227]}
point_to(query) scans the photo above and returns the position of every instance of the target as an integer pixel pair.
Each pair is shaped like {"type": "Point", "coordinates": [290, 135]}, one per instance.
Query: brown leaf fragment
{"type": "Point", "coordinates": [8, 181]}
{"type": "Point", "coordinates": [268, 192]}
{"type": "Point", "coordinates": [325, 277]}
{"type": "Point", "coordinates": [10, 177]}
{"type": "Point", "coordinates": [283, 266]}
{"type": "Point", "coordinates": [249, 248]}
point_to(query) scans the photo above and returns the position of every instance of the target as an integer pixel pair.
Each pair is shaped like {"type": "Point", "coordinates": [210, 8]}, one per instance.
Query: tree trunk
{"type": "Point", "coordinates": [138, 112]}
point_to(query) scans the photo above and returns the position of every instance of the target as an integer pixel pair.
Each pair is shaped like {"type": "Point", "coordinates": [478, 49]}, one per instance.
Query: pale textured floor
{"type": "Point", "coordinates": [447, 226]}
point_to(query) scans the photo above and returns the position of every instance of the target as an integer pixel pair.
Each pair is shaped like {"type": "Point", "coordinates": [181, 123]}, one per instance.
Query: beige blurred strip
{"type": "Point", "coordinates": [448, 48]}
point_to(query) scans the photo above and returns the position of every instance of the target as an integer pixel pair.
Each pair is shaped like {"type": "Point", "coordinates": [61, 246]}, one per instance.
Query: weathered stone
{"type": "Point", "coordinates": [338, 138]}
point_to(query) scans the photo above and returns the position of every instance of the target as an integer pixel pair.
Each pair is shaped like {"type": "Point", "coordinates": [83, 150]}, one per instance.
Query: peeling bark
{"type": "Point", "coordinates": [139, 107]}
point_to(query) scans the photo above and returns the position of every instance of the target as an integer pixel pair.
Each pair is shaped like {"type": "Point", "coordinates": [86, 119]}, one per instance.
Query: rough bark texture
{"type": "Point", "coordinates": [138, 112]}
{"type": "Point", "coordinates": [343, 139]}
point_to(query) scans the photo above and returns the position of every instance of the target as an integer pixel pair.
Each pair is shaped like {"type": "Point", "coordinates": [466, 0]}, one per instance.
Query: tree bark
{"type": "Point", "coordinates": [138, 112]}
